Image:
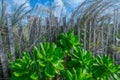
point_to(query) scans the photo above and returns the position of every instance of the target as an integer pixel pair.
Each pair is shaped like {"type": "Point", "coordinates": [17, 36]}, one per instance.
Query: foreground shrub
{"type": "Point", "coordinates": [49, 59]}
{"type": "Point", "coordinates": [64, 60]}
{"type": "Point", "coordinates": [22, 69]}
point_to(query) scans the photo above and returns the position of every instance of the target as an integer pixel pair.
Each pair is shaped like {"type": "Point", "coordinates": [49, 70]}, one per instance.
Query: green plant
{"type": "Point", "coordinates": [49, 61]}
{"type": "Point", "coordinates": [46, 63]}
{"type": "Point", "coordinates": [82, 59]}
{"type": "Point", "coordinates": [69, 41]}
{"type": "Point", "coordinates": [22, 69]}
{"type": "Point", "coordinates": [105, 69]}
{"type": "Point", "coordinates": [77, 74]}
{"type": "Point", "coordinates": [79, 67]}
{"type": "Point", "coordinates": [49, 57]}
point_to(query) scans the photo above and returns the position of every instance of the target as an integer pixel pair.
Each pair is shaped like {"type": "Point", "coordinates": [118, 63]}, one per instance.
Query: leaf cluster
{"type": "Point", "coordinates": [64, 59]}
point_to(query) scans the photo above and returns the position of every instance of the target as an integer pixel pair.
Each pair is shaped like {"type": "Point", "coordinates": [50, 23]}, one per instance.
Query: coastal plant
{"type": "Point", "coordinates": [68, 41]}
{"type": "Point", "coordinates": [57, 60]}
{"type": "Point", "coordinates": [105, 69]}
{"type": "Point", "coordinates": [23, 69]}
{"type": "Point", "coordinates": [49, 58]}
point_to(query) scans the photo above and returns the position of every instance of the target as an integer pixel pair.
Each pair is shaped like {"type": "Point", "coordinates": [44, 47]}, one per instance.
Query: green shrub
{"type": "Point", "coordinates": [49, 59]}
{"type": "Point", "coordinates": [64, 59]}
{"type": "Point", "coordinates": [68, 41]}
{"type": "Point", "coordinates": [22, 69]}
{"type": "Point", "coordinates": [105, 69]}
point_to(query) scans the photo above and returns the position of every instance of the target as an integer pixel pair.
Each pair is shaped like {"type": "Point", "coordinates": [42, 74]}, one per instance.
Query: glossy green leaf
{"type": "Point", "coordinates": [42, 49]}
{"type": "Point", "coordinates": [20, 73]}
{"type": "Point", "coordinates": [37, 53]}
{"type": "Point", "coordinates": [41, 63]}
{"type": "Point", "coordinates": [50, 71]}
{"type": "Point", "coordinates": [69, 75]}
{"type": "Point", "coordinates": [34, 76]}
{"type": "Point", "coordinates": [58, 66]}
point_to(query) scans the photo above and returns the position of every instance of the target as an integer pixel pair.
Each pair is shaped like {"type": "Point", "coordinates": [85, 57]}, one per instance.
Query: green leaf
{"type": "Point", "coordinates": [42, 49]}
{"type": "Point", "coordinates": [58, 53]}
{"type": "Point", "coordinates": [51, 50]}
{"type": "Point", "coordinates": [58, 66]}
{"type": "Point", "coordinates": [20, 73]}
{"type": "Point", "coordinates": [69, 75]}
{"type": "Point", "coordinates": [34, 76]}
{"type": "Point", "coordinates": [50, 71]}
{"type": "Point", "coordinates": [37, 52]}
{"type": "Point", "coordinates": [99, 60]}
{"type": "Point", "coordinates": [41, 63]}
{"type": "Point", "coordinates": [20, 66]}
{"type": "Point", "coordinates": [75, 74]}
{"type": "Point", "coordinates": [62, 42]}
{"type": "Point", "coordinates": [115, 76]}
{"type": "Point", "coordinates": [47, 46]}
{"type": "Point", "coordinates": [26, 58]}
{"type": "Point", "coordinates": [12, 65]}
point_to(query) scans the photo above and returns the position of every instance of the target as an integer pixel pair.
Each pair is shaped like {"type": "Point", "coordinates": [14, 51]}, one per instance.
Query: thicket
{"type": "Point", "coordinates": [64, 59]}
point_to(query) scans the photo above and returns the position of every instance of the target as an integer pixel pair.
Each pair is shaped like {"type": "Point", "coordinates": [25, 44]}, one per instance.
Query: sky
{"type": "Point", "coordinates": [61, 7]}
{"type": "Point", "coordinates": [32, 3]}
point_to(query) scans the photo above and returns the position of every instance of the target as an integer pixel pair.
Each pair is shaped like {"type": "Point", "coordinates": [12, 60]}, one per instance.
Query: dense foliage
{"type": "Point", "coordinates": [64, 59]}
